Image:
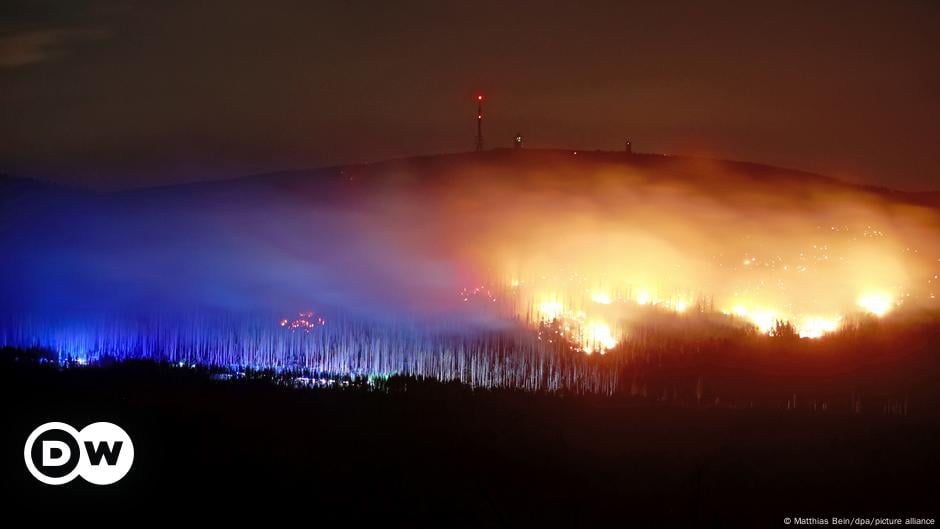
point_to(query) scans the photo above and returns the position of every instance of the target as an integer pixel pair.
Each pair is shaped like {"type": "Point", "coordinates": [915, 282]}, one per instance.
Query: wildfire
{"type": "Point", "coordinates": [601, 297]}
{"type": "Point", "coordinates": [595, 324]}
{"type": "Point", "coordinates": [550, 310]}
{"type": "Point", "coordinates": [590, 336]}
{"type": "Point", "coordinates": [817, 326]}
{"type": "Point", "coordinates": [763, 319]}
{"type": "Point", "coordinates": [877, 303]}
{"type": "Point", "coordinates": [598, 337]}
{"type": "Point", "coordinates": [587, 260]}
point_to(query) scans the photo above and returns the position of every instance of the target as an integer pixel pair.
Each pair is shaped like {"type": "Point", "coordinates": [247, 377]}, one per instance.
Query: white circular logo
{"type": "Point", "coordinates": [101, 453]}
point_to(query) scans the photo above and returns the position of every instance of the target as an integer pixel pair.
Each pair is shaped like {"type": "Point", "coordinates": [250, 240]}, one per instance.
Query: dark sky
{"type": "Point", "coordinates": [124, 94]}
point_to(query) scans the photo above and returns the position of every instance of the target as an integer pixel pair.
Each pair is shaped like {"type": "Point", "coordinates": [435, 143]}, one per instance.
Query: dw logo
{"type": "Point", "coordinates": [102, 453]}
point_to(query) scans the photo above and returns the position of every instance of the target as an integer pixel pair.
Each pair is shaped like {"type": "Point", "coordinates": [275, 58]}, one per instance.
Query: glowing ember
{"type": "Point", "coordinates": [305, 321]}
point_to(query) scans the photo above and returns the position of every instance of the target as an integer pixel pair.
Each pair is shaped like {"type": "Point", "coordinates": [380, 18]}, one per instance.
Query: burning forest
{"type": "Point", "coordinates": [471, 264]}
{"type": "Point", "coordinates": [547, 271]}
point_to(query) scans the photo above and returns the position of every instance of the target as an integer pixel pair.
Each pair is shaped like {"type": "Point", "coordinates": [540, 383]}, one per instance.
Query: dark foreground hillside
{"type": "Point", "coordinates": [445, 456]}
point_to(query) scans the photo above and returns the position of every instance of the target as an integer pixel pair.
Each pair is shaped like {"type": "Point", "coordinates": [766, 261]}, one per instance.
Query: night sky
{"type": "Point", "coordinates": [110, 94]}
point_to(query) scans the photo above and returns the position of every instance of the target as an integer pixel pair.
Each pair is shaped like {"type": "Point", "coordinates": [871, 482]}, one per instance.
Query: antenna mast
{"type": "Point", "coordinates": [479, 123]}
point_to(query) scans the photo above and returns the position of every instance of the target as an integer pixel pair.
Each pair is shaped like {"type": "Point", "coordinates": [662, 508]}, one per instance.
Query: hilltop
{"type": "Point", "coordinates": [436, 169]}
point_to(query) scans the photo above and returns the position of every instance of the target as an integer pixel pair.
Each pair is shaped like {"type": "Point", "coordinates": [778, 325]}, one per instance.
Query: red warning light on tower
{"type": "Point", "coordinates": [479, 145]}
